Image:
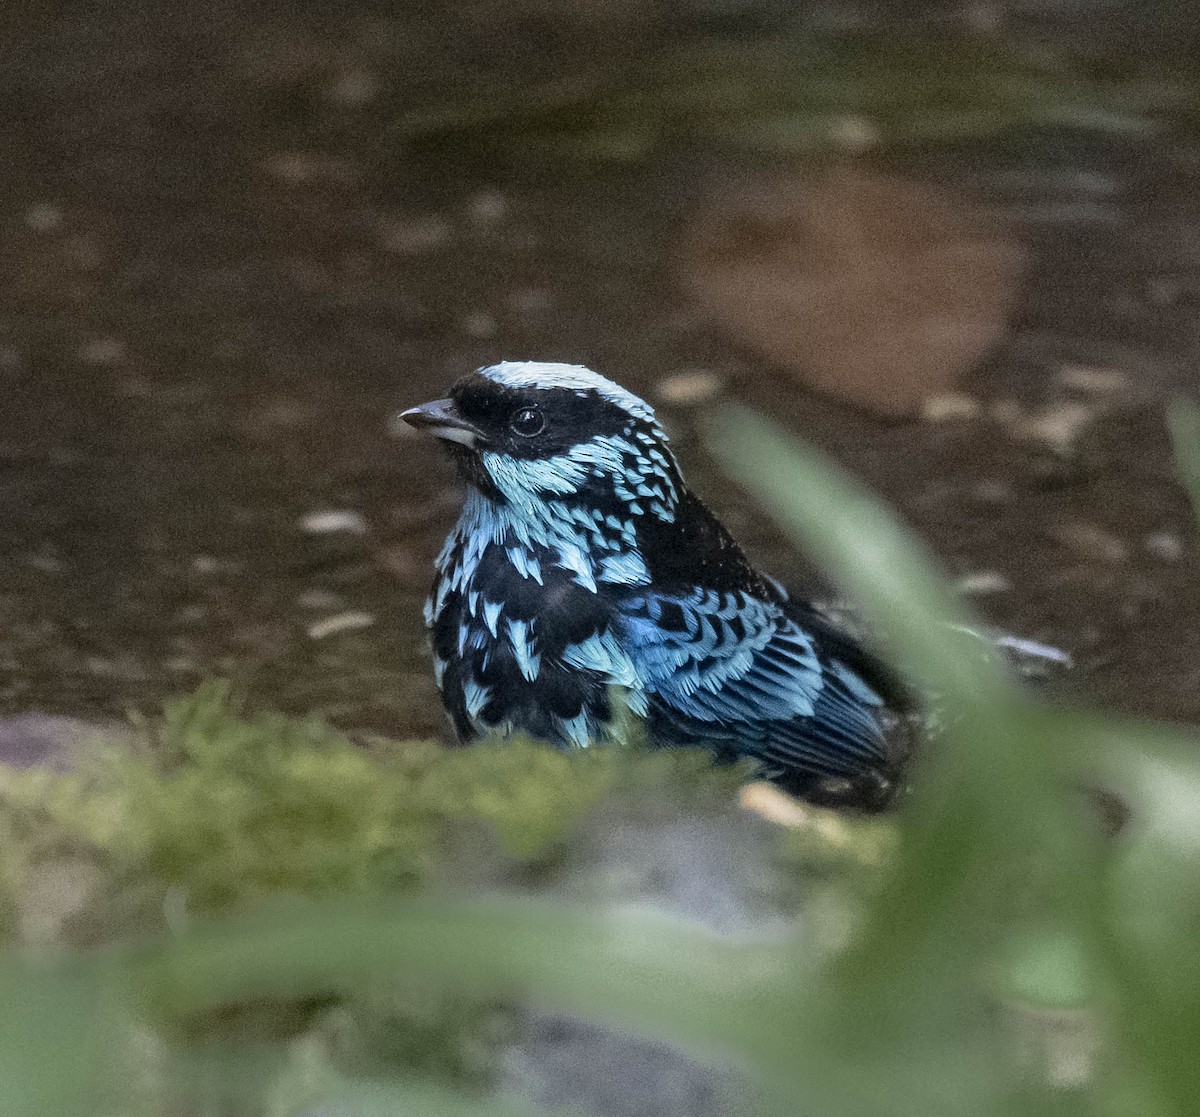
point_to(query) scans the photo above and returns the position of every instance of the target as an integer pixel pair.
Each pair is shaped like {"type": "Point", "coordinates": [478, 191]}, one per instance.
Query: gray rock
{"type": "Point", "coordinates": [715, 868]}
{"type": "Point", "coordinates": [53, 740]}
{"type": "Point", "coordinates": [568, 1063]}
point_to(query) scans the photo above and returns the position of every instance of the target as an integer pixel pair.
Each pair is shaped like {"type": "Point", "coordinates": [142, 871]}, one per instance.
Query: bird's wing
{"type": "Point", "coordinates": [731, 670]}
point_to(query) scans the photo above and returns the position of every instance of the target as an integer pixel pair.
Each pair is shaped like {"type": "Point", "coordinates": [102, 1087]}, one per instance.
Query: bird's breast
{"type": "Point", "coordinates": [525, 642]}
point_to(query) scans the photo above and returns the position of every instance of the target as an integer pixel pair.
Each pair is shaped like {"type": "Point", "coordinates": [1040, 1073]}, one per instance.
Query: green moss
{"type": "Point", "coordinates": [214, 809]}
{"type": "Point", "coordinates": [218, 808]}
{"type": "Point", "coordinates": [12, 873]}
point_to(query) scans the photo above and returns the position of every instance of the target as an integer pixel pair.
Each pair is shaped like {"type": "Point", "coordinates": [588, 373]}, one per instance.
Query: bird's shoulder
{"type": "Point", "coordinates": [694, 549]}
{"type": "Point", "coordinates": [696, 642]}
{"type": "Point", "coordinates": [704, 583]}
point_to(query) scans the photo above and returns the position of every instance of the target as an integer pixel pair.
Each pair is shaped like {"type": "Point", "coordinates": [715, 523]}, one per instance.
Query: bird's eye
{"type": "Point", "coordinates": [528, 421]}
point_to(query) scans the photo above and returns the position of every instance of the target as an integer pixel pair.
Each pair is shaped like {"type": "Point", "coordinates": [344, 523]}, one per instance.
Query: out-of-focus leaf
{"type": "Point", "coordinates": [760, 1005]}
{"type": "Point", "coordinates": [722, 91]}
{"type": "Point", "coordinates": [1047, 967]}
{"type": "Point", "coordinates": [58, 1031]}
{"type": "Point", "coordinates": [1153, 897]}
{"type": "Point", "coordinates": [277, 1082]}
{"type": "Point", "coordinates": [658, 976]}
{"type": "Point", "coordinates": [859, 541]}
{"type": "Point", "coordinates": [985, 828]}
{"type": "Point", "coordinates": [1183, 421]}
{"type": "Point", "coordinates": [720, 998]}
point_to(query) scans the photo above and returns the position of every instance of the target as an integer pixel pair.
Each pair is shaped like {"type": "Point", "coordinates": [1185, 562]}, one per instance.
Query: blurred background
{"type": "Point", "coordinates": [956, 244]}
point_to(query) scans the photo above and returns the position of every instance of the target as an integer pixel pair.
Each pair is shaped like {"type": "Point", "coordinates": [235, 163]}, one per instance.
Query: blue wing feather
{"type": "Point", "coordinates": [747, 677]}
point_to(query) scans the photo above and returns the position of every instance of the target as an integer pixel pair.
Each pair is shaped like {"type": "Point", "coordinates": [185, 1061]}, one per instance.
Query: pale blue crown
{"type": "Point", "coordinates": [577, 378]}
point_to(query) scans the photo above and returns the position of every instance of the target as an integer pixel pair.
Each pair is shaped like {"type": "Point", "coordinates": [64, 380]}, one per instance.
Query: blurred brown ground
{"type": "Point", "coordinates": [222, 270]}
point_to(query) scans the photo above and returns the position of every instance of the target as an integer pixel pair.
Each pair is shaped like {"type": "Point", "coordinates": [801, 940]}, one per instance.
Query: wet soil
{"type": "Point", "coordinates": [222, 273]}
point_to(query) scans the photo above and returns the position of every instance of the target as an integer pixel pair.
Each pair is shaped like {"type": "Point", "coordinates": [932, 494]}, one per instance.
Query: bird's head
{"type": "Point", "coordinates": [526, 434]}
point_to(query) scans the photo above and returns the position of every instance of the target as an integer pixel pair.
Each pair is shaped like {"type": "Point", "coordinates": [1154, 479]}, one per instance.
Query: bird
{"type": "Point", "coordinates": [584, 582]}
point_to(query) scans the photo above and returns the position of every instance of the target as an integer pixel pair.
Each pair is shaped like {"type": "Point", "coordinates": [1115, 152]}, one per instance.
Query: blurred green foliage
{"type": "Point", "coordinates": [212, 811]}
{"type": "Point", "coordinates": [1010, 953]}
{"type": "Point", "coordinates": [216, 808]}
{"type": "Point", "coordinates": [1183, 420]}
{"type": "Point", "coordinates": [799, 94]}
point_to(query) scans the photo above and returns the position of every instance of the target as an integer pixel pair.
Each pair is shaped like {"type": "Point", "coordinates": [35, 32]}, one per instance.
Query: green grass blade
{"type": "Point", "coordinates": [1183, 421]}
{"type": "Point", "coordinates": [859, 542]}
{"type": "Point", "coordinates": [660, 977]}
{"type": "Point", "coordinates": [56, 1032]}
{"type": "Point", "coordinates": [987, 795]}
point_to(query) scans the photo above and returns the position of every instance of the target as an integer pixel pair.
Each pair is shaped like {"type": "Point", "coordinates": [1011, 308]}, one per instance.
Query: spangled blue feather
{"type": "Point", "coordinates": [734, 671]}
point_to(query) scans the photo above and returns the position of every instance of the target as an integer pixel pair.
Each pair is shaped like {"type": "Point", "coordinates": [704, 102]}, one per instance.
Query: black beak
{"type": "Point", "coordinates": [441, 419]}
